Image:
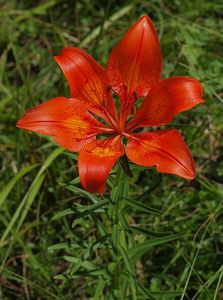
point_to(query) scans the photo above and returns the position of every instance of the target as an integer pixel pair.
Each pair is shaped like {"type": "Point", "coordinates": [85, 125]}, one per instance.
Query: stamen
{"type": "Point", "coordinates": [130, 136]}
{"type": "Point", "coordinates": [135, 96]}
{"type": "Point", "coordinates": [108, 89]}
{"type": "Point", "coordinates": [110, 118]}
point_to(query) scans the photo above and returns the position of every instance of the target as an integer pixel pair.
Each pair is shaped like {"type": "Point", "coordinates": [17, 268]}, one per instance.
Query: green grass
{"type": "Point", "coordinates": [56, 240]}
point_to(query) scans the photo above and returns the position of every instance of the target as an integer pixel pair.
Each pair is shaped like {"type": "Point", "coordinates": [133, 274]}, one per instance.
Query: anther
{"type": "Point", "coordinates": [108, 88]}
{"type": "Point", "coordinates": [135, 96]}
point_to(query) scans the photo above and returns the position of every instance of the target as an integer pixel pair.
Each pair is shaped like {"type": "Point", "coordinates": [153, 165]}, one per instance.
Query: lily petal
{"type": "Point", "coordinates": [88, 81]}
{"type": "Point", "coordinates": [65, 119]}
{"type": "Point", "coordinates": [135, 62]}
{"type": "Point", "coordinates": [164, 149]}
{"type": "Point", "coordinates": [166, 99]}
{"type": "Point", "coordinates": [96, 160]}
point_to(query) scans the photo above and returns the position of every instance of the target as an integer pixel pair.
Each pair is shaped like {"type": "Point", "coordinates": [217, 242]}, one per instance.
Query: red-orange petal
{"type": "Point", "coordinates": [88, 81]}
{"type": "Point", "coordinates": [166, 99]}
{"type": "Point", "coordinates": [164, 149]}
{"type": "Point", "coordinates": [96, 160]}
{"type": "Point", "coordinates": [66, 120]}
{"type": "Point", "coordinates": [135, 62]}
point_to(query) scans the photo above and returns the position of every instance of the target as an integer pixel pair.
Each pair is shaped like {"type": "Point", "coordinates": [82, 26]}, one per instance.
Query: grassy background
{"type": "Point", "coordinates": [35, 201]}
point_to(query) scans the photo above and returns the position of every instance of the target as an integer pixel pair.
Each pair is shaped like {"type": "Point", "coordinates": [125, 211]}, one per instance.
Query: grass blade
{"type": "Point", "coordinates": [142, 207]}
{"type": "Point", "coordinates": [12, 182]}
{"type": "Point", "coordinates": [141, 249]}
{"type": "Point", "coordinates": [30, 195]}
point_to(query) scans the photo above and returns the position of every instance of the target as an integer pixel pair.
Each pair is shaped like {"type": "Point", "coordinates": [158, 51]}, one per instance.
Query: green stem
{"type": "Point", "coordinates": [119, 191]}
{"type": "Point", "coordinates": [120, 239]}
{"type": "Point", "coordinates": [117, 195]}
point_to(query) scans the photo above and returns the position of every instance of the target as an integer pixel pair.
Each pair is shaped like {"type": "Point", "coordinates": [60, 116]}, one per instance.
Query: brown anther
{"type": "Point", "coordinates": [108, 88]}
{"type": "Point", "coordinates": [133, 110]}
{"type": "Point", "coordinates": [125, 165]}
{"type": "Point", "coordinates": [135, 96]}
{"type": "Point", "coordinates": [125, 86]}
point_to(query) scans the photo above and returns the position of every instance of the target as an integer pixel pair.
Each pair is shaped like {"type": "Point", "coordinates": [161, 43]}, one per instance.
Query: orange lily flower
{"type": "Point", "coordinates": [133, 71]}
